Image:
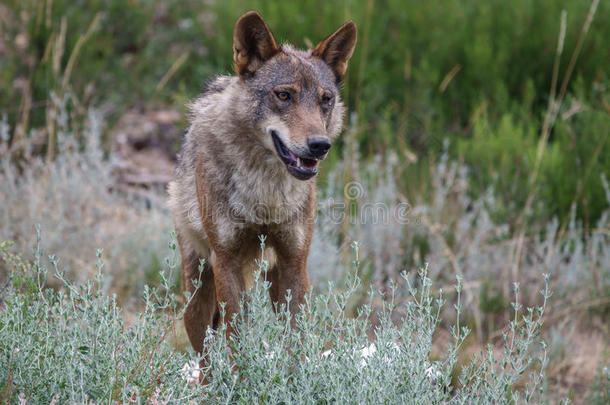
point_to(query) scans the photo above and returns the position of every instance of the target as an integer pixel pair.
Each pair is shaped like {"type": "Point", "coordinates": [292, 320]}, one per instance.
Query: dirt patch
{"type": "Point", "coordinates": [144, 150]}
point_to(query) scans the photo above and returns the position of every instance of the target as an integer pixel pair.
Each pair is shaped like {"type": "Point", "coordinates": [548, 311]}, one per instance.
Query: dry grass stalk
{"type": "Point", "coordinates": [549, 121]}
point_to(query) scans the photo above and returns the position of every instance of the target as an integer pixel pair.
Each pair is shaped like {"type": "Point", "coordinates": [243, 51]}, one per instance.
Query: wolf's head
{"type": "Point", "coordinates": [296, 99]}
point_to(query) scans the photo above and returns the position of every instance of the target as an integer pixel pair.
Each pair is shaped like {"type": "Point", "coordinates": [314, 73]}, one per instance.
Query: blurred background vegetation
{"type": "Point", "coordinates": [478, 73]}
{"type": "Point", "coordinates": [490, 118]}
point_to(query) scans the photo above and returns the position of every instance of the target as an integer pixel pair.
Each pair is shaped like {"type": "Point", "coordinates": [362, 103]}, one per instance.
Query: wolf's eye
{"type": "Point", "coordinates": [327, 99]}
{"type": "Point", "coordinates": [283, 95]}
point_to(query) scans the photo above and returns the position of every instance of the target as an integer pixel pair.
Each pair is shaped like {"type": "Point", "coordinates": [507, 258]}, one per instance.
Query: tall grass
{"type": "Point", "coordinates": [462, 237]}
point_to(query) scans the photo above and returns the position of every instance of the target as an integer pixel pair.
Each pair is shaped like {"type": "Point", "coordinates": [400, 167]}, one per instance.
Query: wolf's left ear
{"type": "Point", "coordinates": [253, 43]}
{"type": "Point", "coordinates": [337, 48]}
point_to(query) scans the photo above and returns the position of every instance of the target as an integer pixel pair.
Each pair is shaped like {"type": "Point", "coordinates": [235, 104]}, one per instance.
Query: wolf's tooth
{"type": "Point", "coordinates": [298, 162]}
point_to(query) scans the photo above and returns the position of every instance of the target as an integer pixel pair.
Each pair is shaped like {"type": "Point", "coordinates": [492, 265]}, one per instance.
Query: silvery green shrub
{"type": "Point", "coordinates": [72, 346]}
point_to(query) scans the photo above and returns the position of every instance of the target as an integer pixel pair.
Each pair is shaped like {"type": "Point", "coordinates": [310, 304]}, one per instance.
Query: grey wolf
{"type": "Point", "coordinates": [248, 166]}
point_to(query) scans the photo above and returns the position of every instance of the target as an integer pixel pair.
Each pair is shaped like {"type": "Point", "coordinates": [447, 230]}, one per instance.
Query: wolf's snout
{"type": "Point", "coordinates": [318, 145]}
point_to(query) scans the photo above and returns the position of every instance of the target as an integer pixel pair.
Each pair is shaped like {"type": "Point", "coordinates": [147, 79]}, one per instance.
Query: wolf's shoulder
{"type": "Point", "coordinates": [217, 84]}
{"type": "Point", "coordinates": [214, 97]}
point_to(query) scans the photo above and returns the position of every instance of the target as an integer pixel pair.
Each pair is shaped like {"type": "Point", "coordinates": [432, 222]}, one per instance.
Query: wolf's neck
{"type": "Point", "coordinates": [263, 190]}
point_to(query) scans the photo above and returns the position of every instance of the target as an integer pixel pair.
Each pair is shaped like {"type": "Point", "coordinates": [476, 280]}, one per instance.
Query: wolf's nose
{"type": "Point", "coordinates": [318, 145]}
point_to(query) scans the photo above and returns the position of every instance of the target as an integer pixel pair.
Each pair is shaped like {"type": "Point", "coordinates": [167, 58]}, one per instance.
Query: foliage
{"type": "Point", "coordinates": [78, 208]}
{"type": "Point", "coordinates": [421, 72]}
{"type": "Point", "coordinates": [75, 202]}
{"type": "Point", "coordinates": [601, 391]}
{"type": "Point", "coordinates": [71, 345]}
{"type": "Point", "coordinates": [476, 74]}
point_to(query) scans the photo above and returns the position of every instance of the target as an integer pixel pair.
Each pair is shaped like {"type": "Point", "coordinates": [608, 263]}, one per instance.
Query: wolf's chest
{"type": "Point", "coordinates": [265, 197]}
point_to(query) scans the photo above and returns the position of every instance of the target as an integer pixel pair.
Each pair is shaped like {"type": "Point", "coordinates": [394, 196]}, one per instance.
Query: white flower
{"type": "Point", "coordinates": [191, 372]}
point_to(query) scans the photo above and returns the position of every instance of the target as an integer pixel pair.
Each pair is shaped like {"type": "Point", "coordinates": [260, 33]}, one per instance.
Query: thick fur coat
{"type": "Point", "coordinates": [248, 166]}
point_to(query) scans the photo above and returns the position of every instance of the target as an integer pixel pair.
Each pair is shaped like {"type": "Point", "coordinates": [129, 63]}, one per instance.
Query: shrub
{"type": "Point", "coordinates": [75, 202]}
{"type": "Point", "coordinates": [71, 345]}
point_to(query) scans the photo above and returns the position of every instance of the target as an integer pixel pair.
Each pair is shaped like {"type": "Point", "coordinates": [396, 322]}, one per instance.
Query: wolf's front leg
{"type": "Point", "coordinates": [228, 283]}
{"type": "Point", "coordinates": [290, 272]}
{"type": "Point", "coordinates": [201, 308]}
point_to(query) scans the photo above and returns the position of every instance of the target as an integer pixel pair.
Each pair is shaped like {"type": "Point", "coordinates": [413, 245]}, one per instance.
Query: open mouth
{"type": "Point", "coordinates": [300, 167]}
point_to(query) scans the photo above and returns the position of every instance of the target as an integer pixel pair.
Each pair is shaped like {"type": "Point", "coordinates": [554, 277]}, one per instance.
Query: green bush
{"type": "Point", "coordinates": [72, 345]}
{"type": "Point", "coordinates": [501, 157]}
{"type": "Point", "coordinates": [601, 392]}
{"type": "Point", "coordinates": [571, 168]}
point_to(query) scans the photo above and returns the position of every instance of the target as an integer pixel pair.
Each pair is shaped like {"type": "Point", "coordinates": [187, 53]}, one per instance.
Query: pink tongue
{"type": "Point", "coordinates": [309, 164]}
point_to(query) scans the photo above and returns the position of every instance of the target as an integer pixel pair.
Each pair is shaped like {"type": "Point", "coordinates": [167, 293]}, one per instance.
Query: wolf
{"type": "Point", "coordinates": [248, 166]}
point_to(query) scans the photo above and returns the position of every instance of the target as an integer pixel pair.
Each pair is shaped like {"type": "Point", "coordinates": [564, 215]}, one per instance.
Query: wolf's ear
{"type": "Point", "coordinates": [337, 48]}
{"type": "Point", "coordinates": [253, 43]}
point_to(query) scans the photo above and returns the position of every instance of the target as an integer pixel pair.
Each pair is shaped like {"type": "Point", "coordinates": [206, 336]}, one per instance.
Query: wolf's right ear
{"type": "Point", "coordinates": [337, 48]}
{"type": "Point", "coordinates": [253, 43]}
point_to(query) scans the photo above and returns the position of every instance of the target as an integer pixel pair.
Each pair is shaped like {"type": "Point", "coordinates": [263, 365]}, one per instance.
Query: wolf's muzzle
{"type": "Point", "coordinates": [301, 167]}
{"type": "Point", "coordinates": [318, 146]}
